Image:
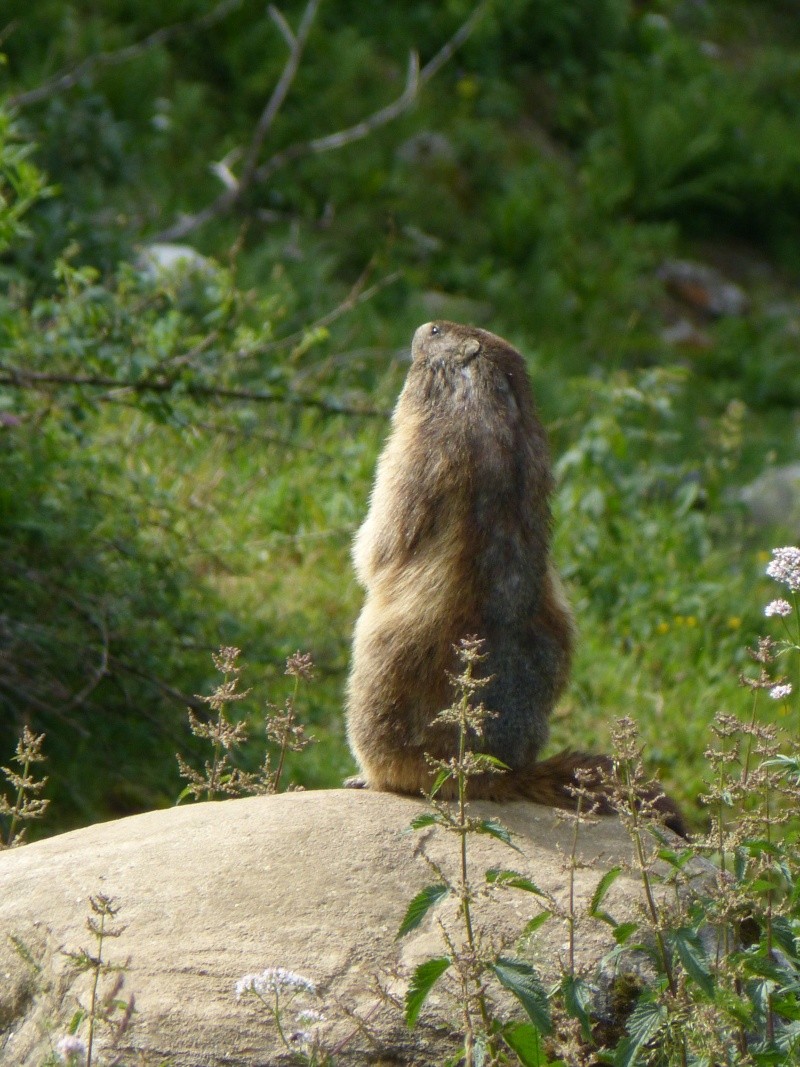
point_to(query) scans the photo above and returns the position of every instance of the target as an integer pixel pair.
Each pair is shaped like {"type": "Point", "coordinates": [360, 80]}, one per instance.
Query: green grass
{"type": "Point", "coordinates": [575, 160]}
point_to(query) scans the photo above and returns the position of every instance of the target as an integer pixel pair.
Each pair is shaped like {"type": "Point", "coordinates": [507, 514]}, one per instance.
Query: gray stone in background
{"type": "Point", "coordinates": [703, 288]}
{"type": "Point", "coordinates": [773, 498]}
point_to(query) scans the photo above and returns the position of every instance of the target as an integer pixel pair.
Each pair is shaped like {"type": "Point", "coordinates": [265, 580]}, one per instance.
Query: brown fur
{"type": "Point", "coordinates": [457, 542]}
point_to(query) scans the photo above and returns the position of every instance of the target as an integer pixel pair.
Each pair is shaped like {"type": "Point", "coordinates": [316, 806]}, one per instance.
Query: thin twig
{"type": "Point", "coordinates": [280, 21]}
{"type": "Point", "coordinates": [98, 673]}
{"type": "Point", "coordinates": [17, 378]}
{"type": "Point", "coordinates": [182, 698]}
{"type": "Point", "coordinates": [281, 90]}
{"type": "Point", "coordinates": [357, 295]}
{"type": "Point", "coordinates": [257, 175]}
{"type": "Point", "coordinates": [68, 79]}
{"type": "Point", "coordinates": [235, 188]}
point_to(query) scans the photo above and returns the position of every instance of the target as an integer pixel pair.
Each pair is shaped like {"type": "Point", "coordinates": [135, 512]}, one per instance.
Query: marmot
{"type": "Point", "coordinates": [457, 543]}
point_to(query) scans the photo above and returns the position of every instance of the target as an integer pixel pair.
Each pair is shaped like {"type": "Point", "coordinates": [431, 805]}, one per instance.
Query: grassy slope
{"type": "Point", "coordinates": [549, 214]}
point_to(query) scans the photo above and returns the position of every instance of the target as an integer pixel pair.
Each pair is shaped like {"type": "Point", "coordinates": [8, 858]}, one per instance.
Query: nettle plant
{"type": "Point", "coordinates": [708, 971]}
{"type": "Point", "coordinates": [470, 960]}
{"type": "Point", "coordinates": [282, 727]}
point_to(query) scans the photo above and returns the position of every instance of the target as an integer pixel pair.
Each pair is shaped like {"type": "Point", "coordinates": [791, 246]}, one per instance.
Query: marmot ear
{"type": "Point", "coordinates": [471, 347]}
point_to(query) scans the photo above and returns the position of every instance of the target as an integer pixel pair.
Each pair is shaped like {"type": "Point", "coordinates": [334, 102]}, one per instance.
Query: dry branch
{"type": "Point", "coordinates": [253, 174]}
{"type": "Point", "coordinates": [19, 378]}
{"type": "Point", "coordinates": [68, 79]}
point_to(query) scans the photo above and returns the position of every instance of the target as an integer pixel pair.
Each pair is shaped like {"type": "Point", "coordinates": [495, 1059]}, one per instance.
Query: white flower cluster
{"type": "Point", "coordinates": [778, 607]}
{"type": "Point", "coordinates": [71, 1048]}
{"type": "Point", "coordinates": [309, 1016]}
{"type": "Point", "coordinates": [274, 980]}
{"type": "Point", "coordinates": [785, 567]}
{"type": "Point", "coordinates": [778, 692]}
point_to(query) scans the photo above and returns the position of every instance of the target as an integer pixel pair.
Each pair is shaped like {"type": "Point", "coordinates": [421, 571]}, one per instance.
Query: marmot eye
{"type": "Point", "coordinates": [434, 329]}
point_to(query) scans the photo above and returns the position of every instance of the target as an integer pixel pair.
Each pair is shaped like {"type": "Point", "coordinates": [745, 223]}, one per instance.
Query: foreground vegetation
{"type": "Point", "coordinates": [185, 453]}
{"type": "Point", "coordinates": [705, 970]}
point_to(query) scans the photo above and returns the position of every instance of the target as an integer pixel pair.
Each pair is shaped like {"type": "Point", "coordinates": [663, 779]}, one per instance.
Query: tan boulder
{"type": "Point", "coordinates": [314, 882]}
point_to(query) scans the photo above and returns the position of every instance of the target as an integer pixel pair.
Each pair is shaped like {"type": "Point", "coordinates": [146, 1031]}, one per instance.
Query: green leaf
{"type": "Point", "coordinates": [693, 957]}
{"type": "Point", "coordinates": [428, 819]}
{"type": "Point", "coordinates": [600, 892]}
{"type": "Point", "coordinates": [422, 981]}
{"type": "Point", "coordinates": [439, 781]}
{"type": "Point", "coordinates": [624, 931]}
{"type": "Point", "coordinates": [483, 759]}
{"type": "Point", "coordinates": [783, 935]}
{"type": "Point", "coordinates": [677, 858]}
{"type": "Point", "coordinates": [533, 925]}
{"type": "Point", "coordinates": [788, 1042]}
{"type": "Point", "coordinates": [497, 876]}
{"type": "Point", "coordinates": [479, 1050]}
{"type": "Point", "coordinates": [737, 1007]}
{"type": "Point", "coordinates": [577, 999]}
{"type": "Point", "coordinates": [420, 905]}
{"type": "Point", "coordinates": [522, 980]}
{"type": "Point", "coordinates": [523, 1039]}
{"type": "Point", "coordinates": [645, 1021]}
{"type": "Point", "coordinates": [184, 793]}
{"type": "Point", "coordinates": [495, 828]}
{"type": "Point", "coordinates": [787, 1006]}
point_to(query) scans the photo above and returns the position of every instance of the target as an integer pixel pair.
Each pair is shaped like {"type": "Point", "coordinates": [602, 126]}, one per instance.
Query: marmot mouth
{"type": "Point", "coordinates": [451, 362]}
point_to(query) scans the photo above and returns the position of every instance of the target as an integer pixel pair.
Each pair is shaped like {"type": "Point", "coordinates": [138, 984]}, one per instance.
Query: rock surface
{"type": "Point", "coordinates": [314, 882]}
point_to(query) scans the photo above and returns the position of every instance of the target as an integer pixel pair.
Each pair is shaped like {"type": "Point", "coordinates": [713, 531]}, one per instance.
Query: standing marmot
{"type": "Point", "coordinates": [457, 542]}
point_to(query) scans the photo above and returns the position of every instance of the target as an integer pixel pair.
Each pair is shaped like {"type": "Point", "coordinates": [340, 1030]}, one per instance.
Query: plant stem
{"type": "Point", "coordinates": [648, 892]}
{"type": "Point", "coordinates": [285, 740]}
{"type": "Point", "coordinates": [465, 892]}
{"type": "Point", "coordinates": [98, 963]}
{"type": "Point", "coordinates": [17, 805]}
{"type": "Point", "coordinates": [746, 769]}
{"type": "Point", "coordinates": [571, 911]}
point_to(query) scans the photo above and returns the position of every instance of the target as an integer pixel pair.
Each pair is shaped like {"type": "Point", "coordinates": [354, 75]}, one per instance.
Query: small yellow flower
{"type": "Point", "coordinates": [763, 556]}
{"type": "Point", "coordinates": [662, 628]}
{"type": "Point", "coordinates": [679, 620]}
{"type": "Point", "coordinates": [467, 88]}
{"type": "Point", "coordinates": [734, 622]}
{"type": "Point", "coordinates": [691, 621]}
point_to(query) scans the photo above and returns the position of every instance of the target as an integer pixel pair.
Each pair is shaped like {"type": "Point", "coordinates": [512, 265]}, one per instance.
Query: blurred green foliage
{"type": "Point", "coordinates": [186, 451]}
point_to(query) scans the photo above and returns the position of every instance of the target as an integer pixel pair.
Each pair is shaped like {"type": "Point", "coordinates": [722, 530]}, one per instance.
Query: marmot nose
{"type": "Point", "coordinates": [421, 335]}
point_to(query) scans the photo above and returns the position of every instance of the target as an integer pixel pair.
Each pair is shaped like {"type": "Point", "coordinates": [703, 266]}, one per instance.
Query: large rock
{"type": "Point", "coordinates": [773, 499]}
{"type": "Point", "coordinates": [315, 882]}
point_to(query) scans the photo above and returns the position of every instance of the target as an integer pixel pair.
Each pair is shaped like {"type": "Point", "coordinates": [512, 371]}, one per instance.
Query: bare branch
{"type": "Point", "coordinates": [186, 699]}
{"type": "Point", "coordinates": [98, 673]}
{"type": "Point", "coordinates": [236, 188]}
{"type": "Point", "coordinates": [253, 174]}
{"type": "Point", "coordinates": [357, 295]}
{"type": "Point", "coordinates": [279, 20]}
{"type": "Point", "coordinates": [448, 50]}
{"type": "Point", "coordinates": [279, 93]}
{"type": "Point", "coordinates": [67, 79]}
{"type": "Point", "coordinates": [18, 378]}
{"type": "Point", "coordinates": [361, 129]}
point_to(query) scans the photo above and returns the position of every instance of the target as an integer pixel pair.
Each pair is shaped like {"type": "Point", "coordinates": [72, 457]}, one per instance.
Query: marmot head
{"type": "Point", "coordinates": [470, 367]}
